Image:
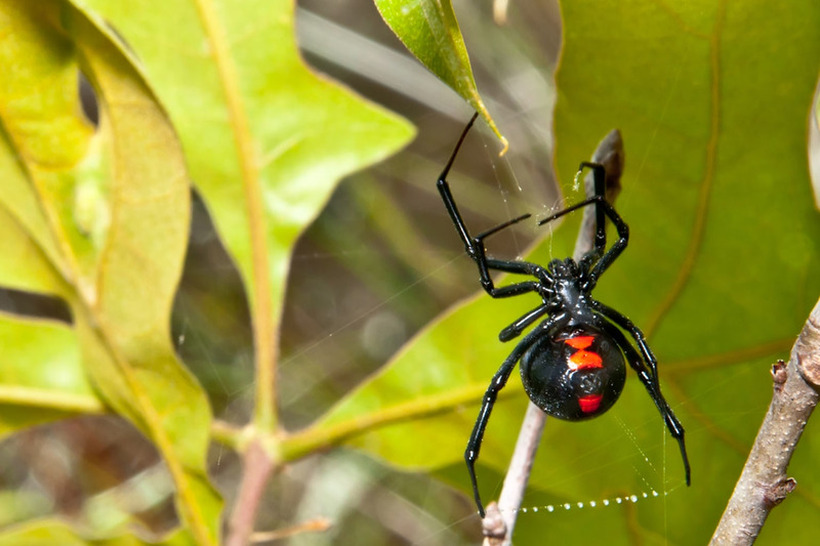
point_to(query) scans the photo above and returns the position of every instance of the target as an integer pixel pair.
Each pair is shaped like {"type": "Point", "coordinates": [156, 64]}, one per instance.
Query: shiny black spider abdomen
{"type": "Point", "coordinates": [574, 372]}
{"type": "Point", "coordinates": [573, 360]}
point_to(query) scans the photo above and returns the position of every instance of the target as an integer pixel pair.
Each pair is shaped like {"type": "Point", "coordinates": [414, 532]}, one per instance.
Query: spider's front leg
{"type": "Point", "coordinates": [603, 209]}
{"type": "Point", "coordinates": [474, 245]}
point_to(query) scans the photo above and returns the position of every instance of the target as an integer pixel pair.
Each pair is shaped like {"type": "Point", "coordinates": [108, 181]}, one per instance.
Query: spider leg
{"type": "Point", "coordinates": [646, 366]}
{"type": "Point", "coordinates": [598, 197]}
{"type": "Point", "coordinates": [474, 245]}
{"type": "Point", "coordinates": [604, 207]}
{"type": "Point", "coordinates": [496, 384]}
{"type": "Point", "coordinates": [514, 330]}
{"type": "Point", "coordinates": [519, 267]}
{"type": "Point", "coordinates": [617, 247]}
{"type": "Point", "coordinates": [634, 331]}
{"type": "Point", "coordinates": [447, 196]}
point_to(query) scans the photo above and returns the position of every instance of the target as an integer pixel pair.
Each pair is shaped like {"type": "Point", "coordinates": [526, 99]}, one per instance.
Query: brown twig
{"type": "Point", "coordinates": [257, 467]}
{"type": "Point", "coordinates": [763, 484]}
{"type": "Point", "coordinates": [315, 525]}
{"type": "Point", "coordinates": [499, 522]}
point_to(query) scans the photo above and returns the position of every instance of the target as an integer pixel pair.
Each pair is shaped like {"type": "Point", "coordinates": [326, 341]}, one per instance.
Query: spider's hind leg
{"type": "Point", "coordinates": [497, 383]}
{"type": "Point", "coordinates": [646, 366]}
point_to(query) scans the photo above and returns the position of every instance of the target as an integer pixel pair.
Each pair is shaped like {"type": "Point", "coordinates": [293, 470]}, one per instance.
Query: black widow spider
{"type": "Point", "coordinates": [572, 362]}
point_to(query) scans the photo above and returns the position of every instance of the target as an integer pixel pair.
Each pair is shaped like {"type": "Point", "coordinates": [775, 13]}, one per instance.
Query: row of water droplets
{"type": "Point", "coordinates": [591, 504]}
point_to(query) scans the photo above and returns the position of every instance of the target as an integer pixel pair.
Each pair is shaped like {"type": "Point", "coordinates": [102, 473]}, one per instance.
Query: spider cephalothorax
{"type": "Point", "coordinates": [573, 362]}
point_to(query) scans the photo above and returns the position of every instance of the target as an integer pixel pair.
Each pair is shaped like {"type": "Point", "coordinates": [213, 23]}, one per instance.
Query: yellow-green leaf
{"type": "Point", "coordinates": [102, 216]}
{"type": "Point", "coordinates": [51, 532]}
{"type": "Point", "coordinates": [266, 140]}
{"type": "Point", "coordinates": [41, 376]}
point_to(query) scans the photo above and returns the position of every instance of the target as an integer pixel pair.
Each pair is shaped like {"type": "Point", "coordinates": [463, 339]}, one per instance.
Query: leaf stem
{"type": "Point", "coordinates": [229, 435]}
{"type": "Point", "coordinates": [264, 330]}
{"type": "Point", "coordinates": [320, 437]}
{"type": "Point", "coordinates": [50, 399]}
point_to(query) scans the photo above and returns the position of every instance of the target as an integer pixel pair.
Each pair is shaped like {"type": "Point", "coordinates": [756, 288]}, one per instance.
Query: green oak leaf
{"type": "Point", "coordinates": [722, 269]}
{"type": "Point", "coordinates": [266, 140]}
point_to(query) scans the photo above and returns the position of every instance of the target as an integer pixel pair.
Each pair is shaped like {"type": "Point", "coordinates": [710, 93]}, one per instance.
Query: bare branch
{"type": "Point", "coordinates": [763, 484]}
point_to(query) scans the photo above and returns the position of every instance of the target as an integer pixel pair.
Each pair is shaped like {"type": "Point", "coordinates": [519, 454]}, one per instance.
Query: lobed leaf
{"type": "Point", "coordinates": [266, 140]}
{"type": "Point", "coordinates": [100, 218]}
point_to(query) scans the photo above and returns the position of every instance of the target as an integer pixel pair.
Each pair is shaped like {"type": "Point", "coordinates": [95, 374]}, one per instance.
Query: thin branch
{"type": "Point", "coordinates": [499, 523]}
{"type": "Point", "coordinates": [763, 484]}
{"type": "Point", "coordinates": [257, 467]}
{"type": "Point", "coordinates": [232, 436]}
{"type": "Point", "coordinates": [315, 525]}
{"type": "Point", "coordinates": [319, 437]}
